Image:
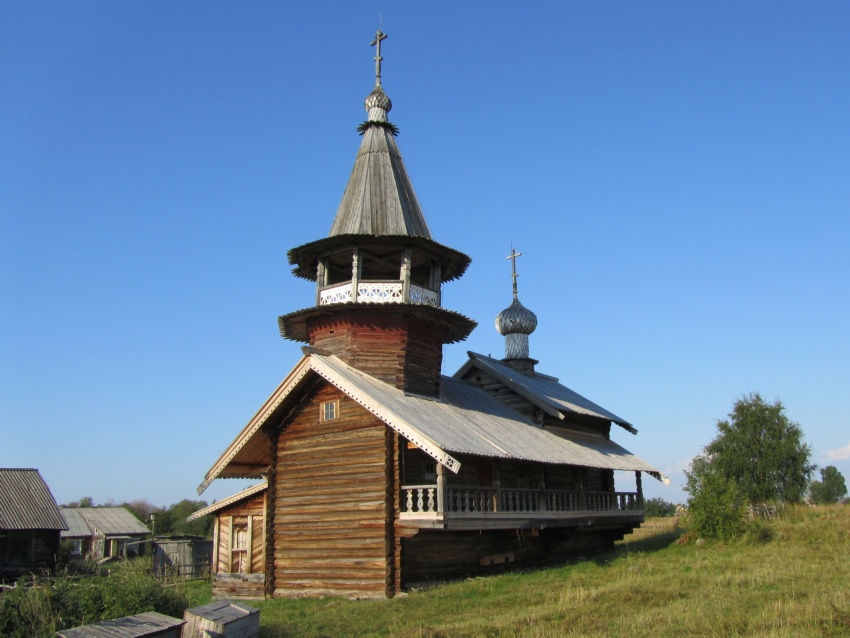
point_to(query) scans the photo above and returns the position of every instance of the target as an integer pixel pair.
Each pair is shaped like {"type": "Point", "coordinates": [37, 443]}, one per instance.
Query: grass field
{"type": "Point", "coordinates": [794, 583]}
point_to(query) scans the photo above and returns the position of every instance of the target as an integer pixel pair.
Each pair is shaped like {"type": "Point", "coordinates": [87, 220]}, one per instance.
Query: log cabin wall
{"type": "Point", "coordinates": [499, 390]}
{"type": "Point", "coordinates": [438, 555]}
{"type": "Point", "coordinates": [239, 550]}
{"type": "Point", "coordinates": [403, 351]}
{"type": "Point", "coordinates": [28, 550]}
{"type": "Point", "coordinates": [334, 502]}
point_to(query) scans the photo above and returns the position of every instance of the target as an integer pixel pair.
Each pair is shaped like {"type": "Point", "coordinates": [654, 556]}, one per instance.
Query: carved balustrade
{"type": "Point", "coordinates": [426, 500]}
{"type": "Point", "coordinates": [381, 292]}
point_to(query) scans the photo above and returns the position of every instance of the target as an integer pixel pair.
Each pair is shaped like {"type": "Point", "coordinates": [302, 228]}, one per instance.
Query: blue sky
{"type": "Point", "coordinates": [676, 176]}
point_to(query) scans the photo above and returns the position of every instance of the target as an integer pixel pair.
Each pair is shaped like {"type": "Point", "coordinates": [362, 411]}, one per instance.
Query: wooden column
{"type": "Point", "coordinates": [441, 487]}
{"type": "Point", "coordinates": [405, 275]}
{"type": "Point", "coordinates": [355, 273]}
{"type": "Point", "coordinates": [639, 483]}
{"type": "Point", "coordinates": [436, 277]}
{"type": "Point", "coordinates": [321, 281]}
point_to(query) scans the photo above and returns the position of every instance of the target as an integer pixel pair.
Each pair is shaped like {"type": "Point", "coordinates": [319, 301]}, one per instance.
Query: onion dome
{"type": "Point", "coordinates": [377, 105]}
{"type": "Point", "coordinates": [516, 321]}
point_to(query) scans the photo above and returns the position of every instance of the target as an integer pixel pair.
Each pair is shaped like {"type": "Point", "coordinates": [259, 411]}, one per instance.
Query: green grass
{"type": "Point", "coordinates": [796, 584]}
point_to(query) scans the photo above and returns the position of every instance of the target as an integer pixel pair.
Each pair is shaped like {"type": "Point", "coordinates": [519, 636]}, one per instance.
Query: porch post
{"type": "Point", "coordinates": [639, 483]}
{"type": "Point", "coordinates": [581, 499]}
{"type": "Point", "coordinates": [497, 481]}
{"type": "Point", "coordinates": [441, 487]}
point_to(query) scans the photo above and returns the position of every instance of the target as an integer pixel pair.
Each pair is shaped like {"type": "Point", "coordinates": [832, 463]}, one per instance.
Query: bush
{"type": "Point", "coordinates": [716, 505]}
{"type": "Point", "coordinates": [39, 607]}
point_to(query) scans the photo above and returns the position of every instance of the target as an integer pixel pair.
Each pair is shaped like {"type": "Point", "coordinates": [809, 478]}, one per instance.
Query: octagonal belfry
{"type": "Point", "coordinates": [378, 273]}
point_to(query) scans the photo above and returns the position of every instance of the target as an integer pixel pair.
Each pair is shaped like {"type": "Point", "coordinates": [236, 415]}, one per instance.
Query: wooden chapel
{"type": "Point", "coordinates": [377, 471]}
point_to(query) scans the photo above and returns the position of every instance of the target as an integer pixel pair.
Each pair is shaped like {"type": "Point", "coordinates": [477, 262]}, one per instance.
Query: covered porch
{"type": "Point", "coordinates": [446, 504]}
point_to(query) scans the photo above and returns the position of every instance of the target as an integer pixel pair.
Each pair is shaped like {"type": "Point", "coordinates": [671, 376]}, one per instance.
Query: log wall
{"type": "Point", "coordinates": [403, 351]}
{"type": "Point", "coordinates": [334, 503]}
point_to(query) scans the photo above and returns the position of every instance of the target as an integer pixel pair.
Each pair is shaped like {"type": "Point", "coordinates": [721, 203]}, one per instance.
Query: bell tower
{"type": "Point", "coordinates": [378, 273]}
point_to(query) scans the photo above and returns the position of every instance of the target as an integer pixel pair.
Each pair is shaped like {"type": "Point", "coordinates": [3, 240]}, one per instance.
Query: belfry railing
{"type": "Point", "coordinates": [380, 292]}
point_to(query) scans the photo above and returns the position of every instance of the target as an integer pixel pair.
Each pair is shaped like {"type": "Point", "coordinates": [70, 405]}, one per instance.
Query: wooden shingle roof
{"type": "Point", "coordinates": [26, 502]}
{"type": "Point", "coordinates": [379, 198]}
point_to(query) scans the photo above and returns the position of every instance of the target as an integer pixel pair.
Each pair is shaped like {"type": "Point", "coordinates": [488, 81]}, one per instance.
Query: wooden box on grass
{"type": "Point", "coordinates": [139, 626]}
{"type": "Point", "coordinates": [222, 619]}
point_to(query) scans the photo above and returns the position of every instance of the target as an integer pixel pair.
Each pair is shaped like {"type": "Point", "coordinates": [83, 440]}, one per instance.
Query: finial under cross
{"type": "Point", "coordinates": [514, 254]}
{"type": "Point", "coordinates": [379, 36]}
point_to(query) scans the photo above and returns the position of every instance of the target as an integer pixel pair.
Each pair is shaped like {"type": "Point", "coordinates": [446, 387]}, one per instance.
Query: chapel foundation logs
{"type": "Point", "coordinates": [437, 555]}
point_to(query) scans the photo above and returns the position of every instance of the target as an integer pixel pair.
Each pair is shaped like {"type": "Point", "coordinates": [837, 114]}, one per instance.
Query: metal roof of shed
{"type": "Point", "coordinates": [108, 521]}
{"type": "Point", "coordinates": [77, 526]}
{"type": "Point", "coordinates": [26, 501]}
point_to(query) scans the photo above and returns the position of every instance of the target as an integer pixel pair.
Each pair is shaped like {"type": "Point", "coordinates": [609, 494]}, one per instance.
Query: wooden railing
{"type": "Point", "coordinates": [382, 292]}
{"type": "Point", "coordinates": [427, 500]}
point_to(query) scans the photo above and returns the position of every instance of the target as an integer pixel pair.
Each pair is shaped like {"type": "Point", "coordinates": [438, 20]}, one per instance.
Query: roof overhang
{"type": "Point", "coordinates": [248, 455]}
{"type": "Point", "coordinates": [230, 500]}
{"type": "Point", "coordinates": [456, 327]}
{"type": "Point", "coordinates": [305, 258]}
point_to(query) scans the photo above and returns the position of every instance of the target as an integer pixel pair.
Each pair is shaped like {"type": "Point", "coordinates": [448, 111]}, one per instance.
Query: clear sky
{"type": "Point", "coordinates": [676, 175]}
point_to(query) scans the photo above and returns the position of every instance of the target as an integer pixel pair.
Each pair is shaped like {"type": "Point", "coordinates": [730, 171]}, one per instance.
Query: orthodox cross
{"type": "Point", "coordinates": [380, 35]}
{"type": "Point", "coordinates": [514, 254]}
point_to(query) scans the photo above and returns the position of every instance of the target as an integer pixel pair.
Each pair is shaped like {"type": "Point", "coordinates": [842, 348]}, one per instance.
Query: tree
{"type": "Point", "coordinates": [830, 488]}
{"type": "Point", "coordinates": [762, 451]}
{"type": "Point", "coordinates": [85, 501]}
{"type": "Point", "coordinates": [655, 507]}
{"type": "Point", "coordinates": [142, 510]}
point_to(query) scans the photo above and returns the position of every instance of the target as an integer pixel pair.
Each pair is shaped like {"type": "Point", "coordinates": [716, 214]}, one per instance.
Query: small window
{"type": "Point", "coordinates": [329, 410]}
{"type": "Point", "coordinates": [430, 471]}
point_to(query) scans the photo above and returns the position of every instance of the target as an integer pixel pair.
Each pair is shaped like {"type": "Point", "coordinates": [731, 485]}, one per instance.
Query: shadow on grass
{"type": "Point", "coordinates": [653, 543]}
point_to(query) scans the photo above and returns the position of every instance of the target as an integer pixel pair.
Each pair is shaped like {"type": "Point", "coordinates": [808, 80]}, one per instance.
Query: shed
{"type": "Point", "coordinates": [184, 556]}
{"type": "Point", "coordinates": [238, 557]}
{"type": "Point", "coordinates": [150, 623]}
{"type": "Point", "coordinates": [104, 532]}
{"type": "Point", "coordinates": [224, 619]}
{"type": "Point", "coordinates": [30, 522]}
